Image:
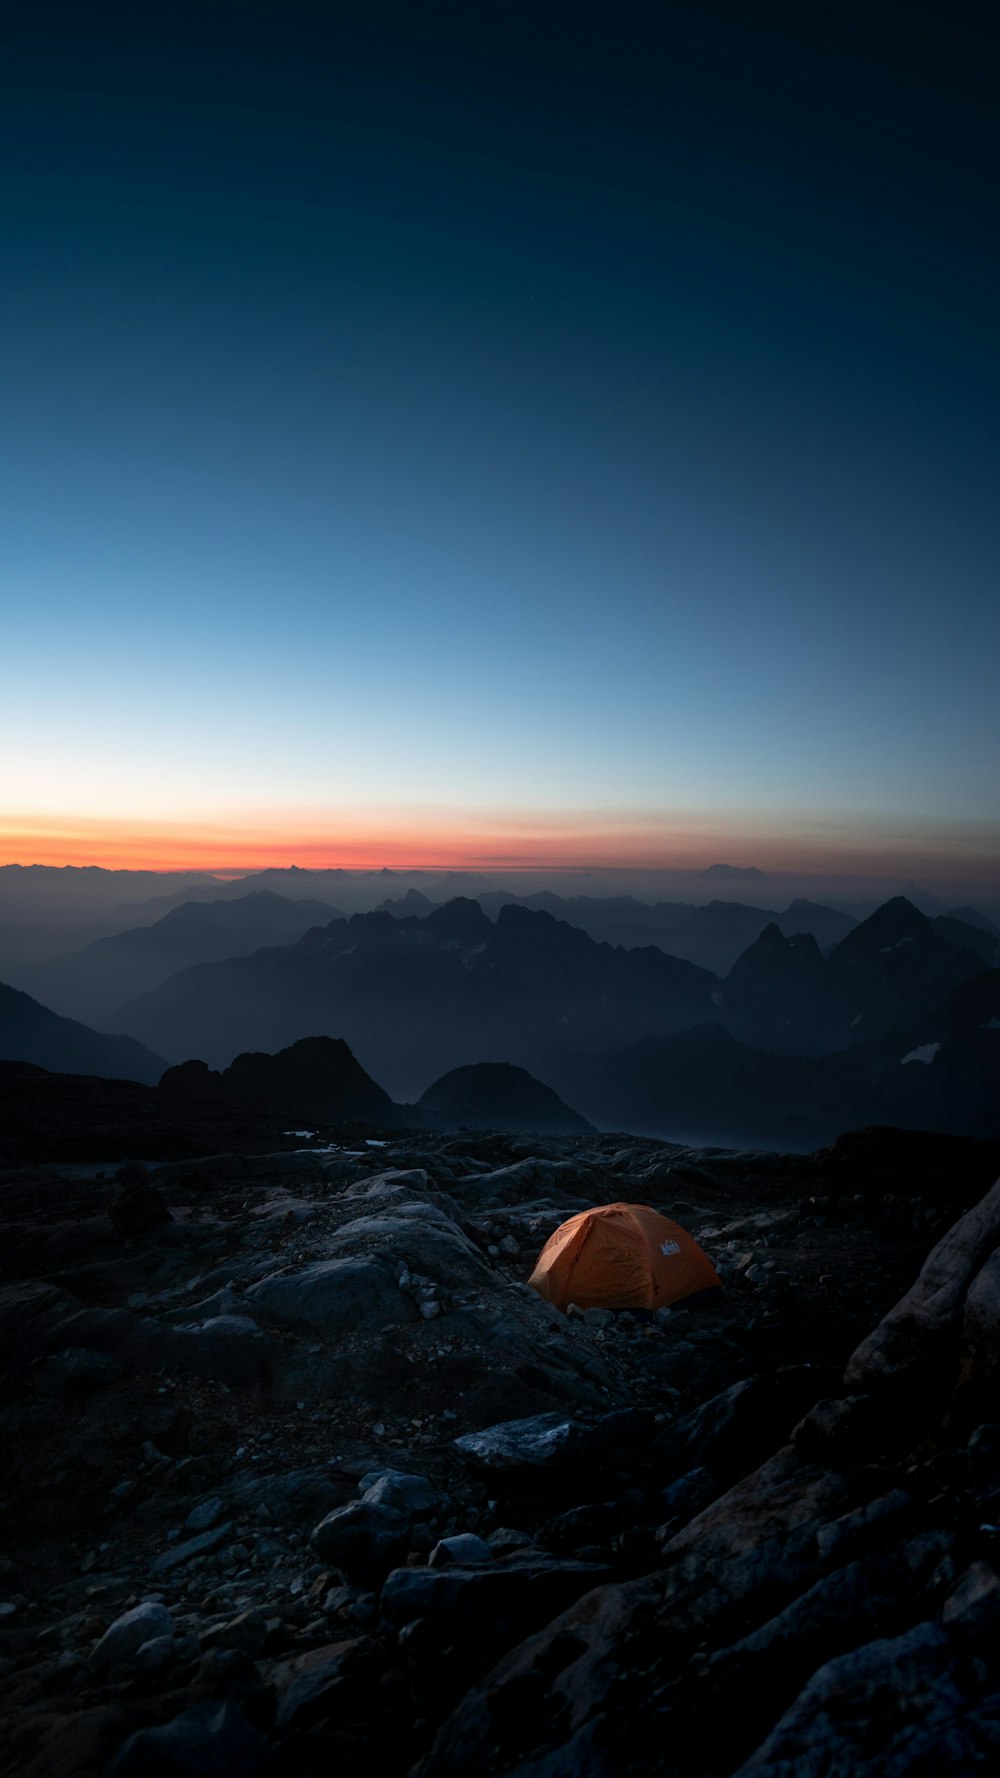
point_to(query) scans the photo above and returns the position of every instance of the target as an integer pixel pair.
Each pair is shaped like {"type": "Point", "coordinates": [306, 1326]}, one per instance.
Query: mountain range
{"type": "Point", "coordinates": [89, 984]}
{"type": "Point", "coordinates": [416, 997]}
{"type": "Point", "coordinates": [419, 994]}
{"type": "Point", "coordinates": [887, 972]}
{"type": "Point", "coordinates": [712, 936]}
{"type": "Point", "coordinates": [897, 1021]}
{"type": "Point", "coordinates": [699, 1085]}
{"type": "Point", "coordinates": [704, 1085]}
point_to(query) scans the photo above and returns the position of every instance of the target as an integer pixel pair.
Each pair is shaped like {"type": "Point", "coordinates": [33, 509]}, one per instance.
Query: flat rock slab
{"type": "Point", "coordinates": [194, 1546]}
{"type": "Point", "coordinates": [335, 1298]}
{"type": "Point", "coordinates": [515, 1595]}
{"type": "Point", "coordinates": [420, 1236]}
{"type": "Point", "coordinates": [543, 1441]}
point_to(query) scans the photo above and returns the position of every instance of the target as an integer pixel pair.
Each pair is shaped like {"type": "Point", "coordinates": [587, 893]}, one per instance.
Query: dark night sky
{"type": "Point", "coordinates": [585, 417]}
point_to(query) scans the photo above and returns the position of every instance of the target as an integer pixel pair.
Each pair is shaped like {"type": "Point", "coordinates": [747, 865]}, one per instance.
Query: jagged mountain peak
{"type": "Point", "coordinates": [772, 954]}
{"type": "Point", "coordinates": [896, 922]}
{"type": "Point", "coordinates": [413, 902]}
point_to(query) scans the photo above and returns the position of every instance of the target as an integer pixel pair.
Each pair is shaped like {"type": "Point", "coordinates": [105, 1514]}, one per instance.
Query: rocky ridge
{"type": "Point", "coordinates": [299, 1473]}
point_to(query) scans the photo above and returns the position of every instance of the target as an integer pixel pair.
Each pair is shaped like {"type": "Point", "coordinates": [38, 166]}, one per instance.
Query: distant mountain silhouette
{"type": "Point", "coordinates": [973, 917]}
{"type": "Point", "coordinates": [494, 1096]}
{"type": "Point", "coordinates": [780, 994]}
{"type": "Point", "coordinates": [46, 908]}
{"type": "Point", "coordinates": [32, 1033]}
{"type": "Point", "coordinates": [89, 984]}
{"type": "Point", "coordinates": [712, 936]}
{"type": "Point", "coordinates": [749, 873]}
{"type": "Point", "coordinates": [706, 1086]}
{"type": "Point", "coordinates": [895, 966]}
{"type": "Point", "coordinates": [316, 1080]}
{"type": "Point", "coordinates": [454, 883]}
{"type": "Point", "coordinates": [413, 902]}
{"type": "Point", "coordinates": [972, 1007]}
{"type": "Point", "coordinates": [922, 899]}
{"type": "Point", "coordinates": [827, 925]}
{"type": "Point", "coordinates": [343, 888]}
{"type": "Point", "coordinates": [884, 975]}
{"type": "Point", "coordinates": [416, 997]}
{"type": "Point", "coordinates": [967, 935]}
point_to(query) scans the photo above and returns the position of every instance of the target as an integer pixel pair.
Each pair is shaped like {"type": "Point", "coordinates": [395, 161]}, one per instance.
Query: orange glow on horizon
{"type": "Point", "coordinates": [434, 841]}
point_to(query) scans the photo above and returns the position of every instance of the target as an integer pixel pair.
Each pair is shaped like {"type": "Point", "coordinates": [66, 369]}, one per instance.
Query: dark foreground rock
{"type": "Point", "coordinates": [299, 1477]}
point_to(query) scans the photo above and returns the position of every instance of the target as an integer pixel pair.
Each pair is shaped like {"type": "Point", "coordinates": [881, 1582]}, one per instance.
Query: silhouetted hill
{"type": "Point", "coordinates": [494, 1096]}
{"type": "Point", "coordinates": [89, 984]}
{"type": "Point", "coordinates": [415, 997]}
{"type": "Point", "coordinates": [31, 1033]}
{"type": "Point", "coordinates": [316, 1080]}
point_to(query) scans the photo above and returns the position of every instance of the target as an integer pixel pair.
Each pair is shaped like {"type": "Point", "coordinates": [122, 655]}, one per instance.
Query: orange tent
{"type": "Point", "coordinates": [621, 1256]}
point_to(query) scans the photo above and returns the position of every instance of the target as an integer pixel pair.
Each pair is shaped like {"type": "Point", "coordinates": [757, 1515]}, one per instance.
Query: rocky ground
{"type": "Point", "coordinates": [299, 1476]}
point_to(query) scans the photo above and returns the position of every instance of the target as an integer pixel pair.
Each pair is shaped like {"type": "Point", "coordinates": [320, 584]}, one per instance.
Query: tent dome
{"type": "Point", "coordinates": [621, 1256]}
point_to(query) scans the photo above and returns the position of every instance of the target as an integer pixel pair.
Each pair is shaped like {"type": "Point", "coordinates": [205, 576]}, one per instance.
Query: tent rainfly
{"type": "Point", "coordinates": [621, 1256]}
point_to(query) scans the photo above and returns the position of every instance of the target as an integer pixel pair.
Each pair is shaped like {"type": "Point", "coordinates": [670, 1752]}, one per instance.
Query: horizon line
{"type": "Point", "coordinates": [743, 876]}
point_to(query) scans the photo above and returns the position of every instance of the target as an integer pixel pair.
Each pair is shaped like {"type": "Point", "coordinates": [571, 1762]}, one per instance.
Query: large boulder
{"type": "Point", "coordinates": [573, 1663]}
{"type": "Point", "coordinates": [921, 1331]}
{"type": "Point", "coordinates": [309, 1686]}
{"type": "Point", "coordinates": [925, 1701]}
{"type": "Point", "coordinates": [364, 1539]}
{"type": "Point", "coordinates": [981, 1324]}
{"type": "Point", "coordinates": [211, 1740]}
{"type": "Point", "coordinates": [124, 1638]}
{"type": "Point", "coordinates": [734, 1431]}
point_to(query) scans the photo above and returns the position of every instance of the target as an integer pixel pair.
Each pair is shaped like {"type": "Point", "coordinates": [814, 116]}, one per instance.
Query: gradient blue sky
{"type": "Point", "coordinates": [436, 427]}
